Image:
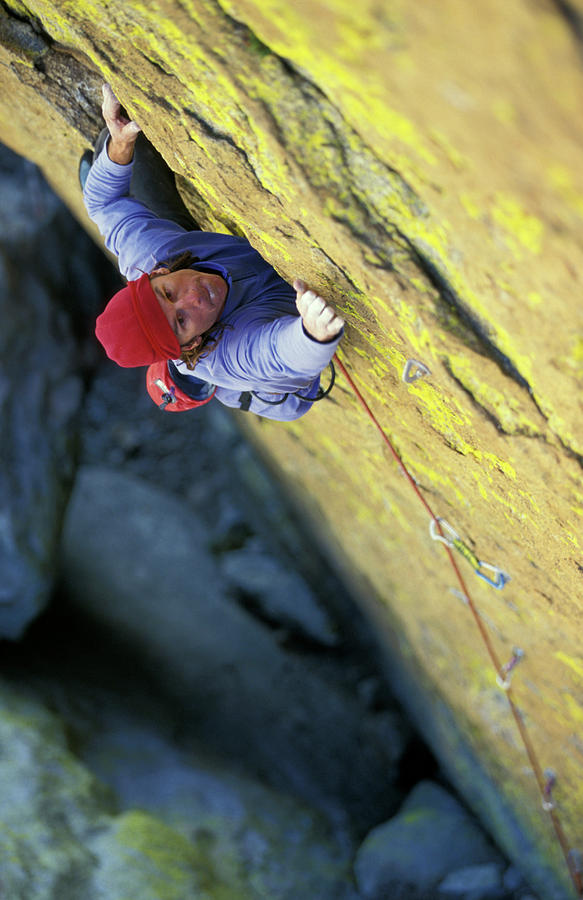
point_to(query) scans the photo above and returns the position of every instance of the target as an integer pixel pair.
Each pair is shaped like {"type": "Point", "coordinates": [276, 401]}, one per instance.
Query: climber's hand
{"type": "Point", "coordinates": [320, 319]}
{"type": "Point", "coordinates": [124, 132]}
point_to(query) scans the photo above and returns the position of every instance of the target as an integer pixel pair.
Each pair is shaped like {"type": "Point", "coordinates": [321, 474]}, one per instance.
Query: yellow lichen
{"type": "Point", "coordinates": [504, 110]}
{"type": "Point", "coordinates": [521, 229]}
{"type": "Point", "coordinates": [575, 664]}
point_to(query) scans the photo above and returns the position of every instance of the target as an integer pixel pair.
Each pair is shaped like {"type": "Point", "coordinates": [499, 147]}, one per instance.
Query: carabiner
{"type": "Point", "coordinates": [414, 370]}
{"type": "Point", "coordinates": [168, 394]}
{"type": "Point", "coordinates": [500, 579]}
{"type": "Point", "coordinates": [445, 526]}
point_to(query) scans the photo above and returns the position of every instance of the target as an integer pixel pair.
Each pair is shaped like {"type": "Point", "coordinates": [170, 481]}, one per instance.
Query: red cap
{"type": "Point", "coordinates": [133, 329]}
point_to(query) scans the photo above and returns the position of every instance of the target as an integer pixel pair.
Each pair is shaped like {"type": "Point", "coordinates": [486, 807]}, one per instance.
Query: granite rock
{"type": "Point", "coordinates": [436, 198]}
{"type": "Point", "coordinates": [189, 827]}
{"type": "Point", "coordinates": [431, 837]}
{"type": "Point", "coordinates": [138, 563]}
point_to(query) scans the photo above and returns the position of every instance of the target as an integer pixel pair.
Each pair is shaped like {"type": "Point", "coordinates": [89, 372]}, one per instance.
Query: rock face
{"type": "Point", "coordinates": [420, 164]}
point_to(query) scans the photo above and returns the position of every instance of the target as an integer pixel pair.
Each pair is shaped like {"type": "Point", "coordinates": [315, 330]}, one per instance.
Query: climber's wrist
{"type": "Point", "coordinates": [121, 151]}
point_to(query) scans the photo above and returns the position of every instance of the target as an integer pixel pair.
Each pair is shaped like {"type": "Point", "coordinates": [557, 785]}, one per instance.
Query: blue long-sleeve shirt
{"type": "Point", "coordinates": [266, 349]}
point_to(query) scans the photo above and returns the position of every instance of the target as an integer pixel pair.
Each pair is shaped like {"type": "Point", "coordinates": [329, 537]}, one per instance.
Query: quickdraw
{"type": "Point", "coordinates": [452, 539]}
{"type": "Point", "coordinates": [503, 678]}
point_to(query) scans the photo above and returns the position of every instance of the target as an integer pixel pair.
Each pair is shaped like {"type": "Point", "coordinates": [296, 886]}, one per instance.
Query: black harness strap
{"type": "Point", "coordinates": [319, 396]}
{"type": "Point", "coordinates": [245, 400]}
{"type": "Point", "coordinates": [324, 392]}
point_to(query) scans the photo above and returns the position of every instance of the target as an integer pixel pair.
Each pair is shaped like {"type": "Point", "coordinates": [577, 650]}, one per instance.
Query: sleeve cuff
{"type": "Point", "coordinates": [304, 353]}
{"type": "Point", "coordinates": [329, 341]}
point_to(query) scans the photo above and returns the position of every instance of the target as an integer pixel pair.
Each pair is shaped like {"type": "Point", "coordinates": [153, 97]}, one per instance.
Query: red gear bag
{"type": "Point", "coordinates": [166, 394]}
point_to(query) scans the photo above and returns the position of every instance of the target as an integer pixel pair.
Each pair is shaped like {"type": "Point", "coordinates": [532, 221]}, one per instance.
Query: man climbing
{"type": "Point", "coordinates": [203, 311]}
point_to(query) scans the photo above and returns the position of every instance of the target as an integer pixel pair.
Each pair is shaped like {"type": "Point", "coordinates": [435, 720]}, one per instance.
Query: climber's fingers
{"type": "Point", "coordinates": [120, 127]}
{"type": "Point", "coordinates": [320, 319]}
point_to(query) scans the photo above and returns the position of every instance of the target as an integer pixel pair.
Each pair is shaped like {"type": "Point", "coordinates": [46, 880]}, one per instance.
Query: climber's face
{"type": "Point", "coordinates": [191, 301]}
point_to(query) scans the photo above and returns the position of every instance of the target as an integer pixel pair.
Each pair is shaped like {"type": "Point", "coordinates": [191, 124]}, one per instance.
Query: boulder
{"type": "Point", "coordinates": [278, 594]}
{"type": "Point", "coordinates": [168, 826]}
{"type": "Point", "coordinates": [431, 836]}
{"type": "Point", "coordinates": [258, 842]}
{"type": "Point", "coordinates": [138, 564]}
{"type": "Point", "coordinates": [479, 882]}
{"type": "Point", "coordinates": [60, 834]}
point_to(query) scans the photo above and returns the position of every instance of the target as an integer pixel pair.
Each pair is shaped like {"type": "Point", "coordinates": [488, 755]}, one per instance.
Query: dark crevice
{"type": "Point", "coordinates": [518, 432]}
{"type": "Point", "coordinates": [418, 758]}
{"type": "Point", "coordinates": [301, 227]}
{"type": "Point", "coordinates": [578, 457]}
{"type": "Point", "coordinates": [346, 275]}
{"type": "Point", "coordinates": [573, 18]}
{"type": "Point", "coordinates": [485, 412]}
{"type": "Point", "coordinates": [157, 65]}
{"type": "Point", "coordinates": [449, 296]}
{"type": "Point", "coordinates": [394, 178]}
{"type": "Point", "coordinates": [161, 101]}
{"type": "Point", "coordinates": [29, 23]}
{"type": "Point", "coordinates": [43, 65]}
{"type": "Point", "coordinates": [246, 35]}
{"type": "Point", "coordinates": [235, 538]}
{"type": "Point", "coordinates": [289, 635]}
{"type": "Point", "coordinates": [373, 236]}
{"type": "Point", "coordinates": [216, 135]}
{"type": "Point", "coordinates": [315, 98]}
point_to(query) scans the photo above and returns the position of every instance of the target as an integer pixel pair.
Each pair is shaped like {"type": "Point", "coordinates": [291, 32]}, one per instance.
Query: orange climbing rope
{"type": "Point", "coordinates": [545, 780]}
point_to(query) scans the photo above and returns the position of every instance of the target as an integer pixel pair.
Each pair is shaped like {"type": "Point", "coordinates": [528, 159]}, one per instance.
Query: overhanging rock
{"type": "Point", "coordinates": [420, 165]}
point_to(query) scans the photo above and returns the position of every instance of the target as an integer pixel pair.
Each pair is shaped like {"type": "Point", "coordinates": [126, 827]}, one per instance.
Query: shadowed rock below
{"type": "Point", "coordinates": [50, 274]}
{"type": "Point", "coordinates": [138, 563]}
